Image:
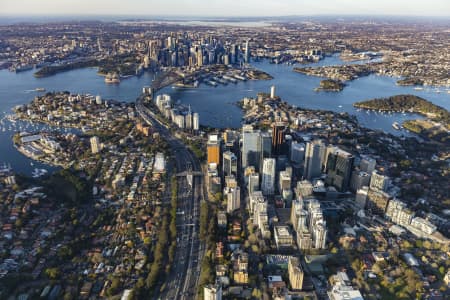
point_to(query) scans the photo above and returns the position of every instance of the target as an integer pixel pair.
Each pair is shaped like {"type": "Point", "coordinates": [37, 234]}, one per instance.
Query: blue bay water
{"type": "Point", "coordinates": [216, 105]}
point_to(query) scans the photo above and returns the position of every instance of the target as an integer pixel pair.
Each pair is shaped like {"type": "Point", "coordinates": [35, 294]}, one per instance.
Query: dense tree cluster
{"type": "Point", "coordinates": [409, 103]}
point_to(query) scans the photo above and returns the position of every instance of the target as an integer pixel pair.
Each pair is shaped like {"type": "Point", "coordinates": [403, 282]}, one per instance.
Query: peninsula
{"type": "Point", "coordinates": [436, 124]}
{"type": "Point", "coordinates": [407, 103]}
{"type": "Point", "coordinates": [338, 73]}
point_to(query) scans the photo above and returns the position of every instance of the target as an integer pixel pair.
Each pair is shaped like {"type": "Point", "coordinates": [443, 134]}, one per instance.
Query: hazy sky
{"type": "Point", "coordinates": [225, 7]}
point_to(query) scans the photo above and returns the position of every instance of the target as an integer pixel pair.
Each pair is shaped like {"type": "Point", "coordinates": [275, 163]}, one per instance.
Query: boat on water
{"type": "Point", "coordinates": [210, 82]}
{"type": "Point", "coordinates": [220, 80]}
{"type": "Point", "coordinates": [112, 78]}
{"type": "Point", "coordinates": [418, 88]}
{"type": "Point", "coordinates": [396, 126]}
{"type": "Point", "coordinates": [139, 70]}
{"type": "Point", "coordinates": [230, 79]}
{"type": "Point", "coordinates": [240, 77]}
{"type": "Point", "coordinates": [38, 173]}
{"type": "Point", "coordinates": [40, 89]}
{"type": "Point", "coordinates": [5, 168]}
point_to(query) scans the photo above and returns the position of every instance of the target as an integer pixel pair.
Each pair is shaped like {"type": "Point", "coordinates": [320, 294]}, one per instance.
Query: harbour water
{"type": "Point", "coordinates": [217, 108]}
{"type": "Point", "coordinates": [216, 105]}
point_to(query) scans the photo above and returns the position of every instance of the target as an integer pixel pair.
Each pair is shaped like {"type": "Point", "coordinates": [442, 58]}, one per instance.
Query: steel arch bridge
{"type": "Point", "coordinates": [169, 77]}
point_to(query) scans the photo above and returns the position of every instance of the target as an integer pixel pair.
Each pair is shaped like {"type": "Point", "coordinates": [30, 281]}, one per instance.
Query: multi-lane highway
{"type": "Point", "coordinates": [182, 281]}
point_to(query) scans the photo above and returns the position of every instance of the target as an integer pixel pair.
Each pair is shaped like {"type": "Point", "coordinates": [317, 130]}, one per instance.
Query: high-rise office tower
{"type": "Point", "coordinates": [247, 52]}
{"type": "Point", "coordinates": [268, 176]}
{"type": "Point", "coordinates": [230, 181]}
{"type": "Point", "coordinates": [278, 132]}
{"type": "Point", "coordinates": [309, 224]}
{"type": "Point", "coordinates": [304, 188]}
{"type": "Point", "coordinates": [296, 208]}
{"type": "Point", "coordinates": [265, 143]}
{"type": "Point", "coordinates": [211, 57]}
{"type": "Point", "coordinates": [319, 234]}
{"type": "Point", "coordinates": [234, 53]}
{"type": "Point", "coordinates": [361, 197]}
{"type": "Point", "coordinates": [189, 120]}
{"type": "Point", "coordinates": [272, 92]}
{"type": "Point", "coordinates": [169, 42]}
{"type": "Point", "coordinates": [196, 121]}
{"type": "Point", "coordinates": [174, 58]}
{"type": "Point", "coordinates": [254, 199]}
{"type": "Point", "coordinates": [250, 147]}
{"type": "Point", "coordinates": [301, 224]}
{"type": "Point", "coordinates": [377, 201]}
{"type": "Point", "coordinates": [339, 168]}
{"type": "Point", "coordinates": [213, 149]}
{"type": "Point", "coordinates": [287, 145]}
{"type": "Point", "coordinates": [199, 57]}
{"type": "Point", "coordinates": [379, 181]}
{"type": "Point", "coordinates": [180, 121]}
{"type": "Point", "coordinates": [317, 224]}
{"type": "Point", "coordinates": [229, 165]}
{"type": "Point", "coordinates": [247, 172]}
{"type": "Point", "coordinates": [295, 273]}
{"type": "Point", "coordinates": [313, 159]}
{"type": "Point", "coordinates": [98, 100]}
{"type": "Point", "coordinates": [253, 183]}
{"type": "Point", "coordinates": [297, 154]}
{"type": "Point", "coordinates": [95, 145]}
{"type": "Point", "coordinates": [367, 164]}
{"type": "Point", "coordinates": [233, 196]}
{"type": "Point", "coordinates": [152, 50]}
{"type": "Point", "coordinates": [358, 180]}
{"type": "Point", "coordinates": [230, 138]}
{"type": "Point", "coordinates": [226, 59]}
{"type": "Point", "coordinates": [284, 182]}
{"type": "Point", "coordinates": [99, 45]}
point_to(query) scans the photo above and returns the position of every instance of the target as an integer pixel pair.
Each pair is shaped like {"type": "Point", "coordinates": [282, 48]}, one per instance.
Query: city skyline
{"type": "Point", "coordinates": [220, 8]}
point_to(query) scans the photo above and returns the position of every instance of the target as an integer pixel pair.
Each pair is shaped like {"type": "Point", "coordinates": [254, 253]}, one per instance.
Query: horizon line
{"type": "Point", "coordinates": [219, 16]}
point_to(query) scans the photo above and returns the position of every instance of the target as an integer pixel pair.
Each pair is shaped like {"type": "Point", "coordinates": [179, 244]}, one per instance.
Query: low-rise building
{"type": "Point", "coordinates": [240, 267]}
{"type": "Point", "coordinates": [342, 288]}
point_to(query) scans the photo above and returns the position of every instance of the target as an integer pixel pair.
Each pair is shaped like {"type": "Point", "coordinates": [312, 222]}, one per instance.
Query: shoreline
{"type": "Point", "coordinates": [436, 118]}
{"type": "Point", "coordinates": [39, 159]}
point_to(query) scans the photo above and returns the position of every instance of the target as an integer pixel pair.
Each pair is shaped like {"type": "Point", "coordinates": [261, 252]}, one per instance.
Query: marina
{"type": "Point", "coordinates": [39, 173]}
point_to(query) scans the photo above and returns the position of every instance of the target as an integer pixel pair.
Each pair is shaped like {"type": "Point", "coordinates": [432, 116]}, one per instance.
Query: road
{"type": "Point", "coordinates": [182, 281]}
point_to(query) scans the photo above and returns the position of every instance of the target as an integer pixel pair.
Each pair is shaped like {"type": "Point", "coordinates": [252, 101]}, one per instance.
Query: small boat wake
{"type": "Point", "coordinates": [38, 173]}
